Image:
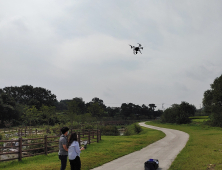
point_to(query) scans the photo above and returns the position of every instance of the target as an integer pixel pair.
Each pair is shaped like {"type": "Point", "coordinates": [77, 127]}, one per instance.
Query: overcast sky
{"type": "Point", "coordinates": [80, 48]}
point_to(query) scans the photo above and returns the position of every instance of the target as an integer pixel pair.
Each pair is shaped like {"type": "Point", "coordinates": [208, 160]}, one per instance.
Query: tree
{"type": "Point", "coordinates": [178, 113]}
{"type": "Point", "coordinates": [213, 97]}
{"type": "Point", "coordinates": [188, 108]}
{"type": "Point", "coordinates": [100, 102]}
{"type": "Point", "coordinates": [8, 106]}
{"type": "Point", "coordinates": [30, 115]}
{"type": "Point", "coordinates": [212, 102]}
{"type": "Point", "coordinates": [152, 107]}
{"type": "Point", "coordinates": [48, 113]}
{"type": "Point", "coordinates": [125, 110]}
{"type": "Point", "coordinates": [28, 95]}
{"type": "Point", "coordinates": [112, 111]}
{"type": "Point", "coordinates": [95, 109]}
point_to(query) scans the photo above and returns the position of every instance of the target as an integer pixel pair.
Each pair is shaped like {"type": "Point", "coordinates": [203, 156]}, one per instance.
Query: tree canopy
{"type": "Point", "coordinates": [29, 95]}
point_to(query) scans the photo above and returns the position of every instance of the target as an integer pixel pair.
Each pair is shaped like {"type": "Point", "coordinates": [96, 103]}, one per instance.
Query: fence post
{"type": "Point", "coordinates": [89, 137]}
{"type": "Point", "coordinates": [79, 138]}
{"type": "Point", "coordinates": [100, 134]}
{"type": "Point", "coordinates": [36, 132]}
{"type": "Point", "coordinates": [20, 149]}
{"type": "Point", "coordinates": [97, 135]}
{"type": "Point", "coordinates": [93, 134]}
{"type": "Point", "coordinates": [25, 132]}
{"type": "Point", "coordinates": [46, 145]}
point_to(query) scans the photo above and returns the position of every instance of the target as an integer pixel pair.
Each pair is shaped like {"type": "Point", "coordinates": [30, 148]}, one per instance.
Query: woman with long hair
{"type": "Point", "coordinates": [74, 152]}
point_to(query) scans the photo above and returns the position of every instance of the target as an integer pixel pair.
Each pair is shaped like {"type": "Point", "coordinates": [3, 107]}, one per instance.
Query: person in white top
{"type": "Point", "coordinates": [74, 152]}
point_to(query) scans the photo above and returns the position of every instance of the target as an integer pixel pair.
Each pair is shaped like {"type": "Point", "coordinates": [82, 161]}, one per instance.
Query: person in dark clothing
{"type": "Point", "coordinates": [63, 150]}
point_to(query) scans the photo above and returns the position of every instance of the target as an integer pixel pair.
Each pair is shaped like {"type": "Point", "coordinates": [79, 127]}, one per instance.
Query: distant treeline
{"type": "Point", "coordinates": [28, 105]}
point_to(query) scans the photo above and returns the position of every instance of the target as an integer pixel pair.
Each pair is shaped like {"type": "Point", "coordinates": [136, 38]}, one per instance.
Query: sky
{"type": "Point", "coordinates": [80, 48]}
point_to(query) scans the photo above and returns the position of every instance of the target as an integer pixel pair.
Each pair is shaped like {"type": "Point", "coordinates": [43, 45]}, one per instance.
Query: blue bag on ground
{"type": "Point", "coordinates": [151, 164]}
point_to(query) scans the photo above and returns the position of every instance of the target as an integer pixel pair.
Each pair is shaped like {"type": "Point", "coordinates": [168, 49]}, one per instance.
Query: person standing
{"type": "Point", "coordinates": [74, 152]}
{"type": "Point", "coordinates": [63, 150]}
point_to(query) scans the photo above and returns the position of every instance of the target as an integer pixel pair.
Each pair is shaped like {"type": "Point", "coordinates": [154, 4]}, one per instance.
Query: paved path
{"type": "Point", "coordinates": [165, 150]}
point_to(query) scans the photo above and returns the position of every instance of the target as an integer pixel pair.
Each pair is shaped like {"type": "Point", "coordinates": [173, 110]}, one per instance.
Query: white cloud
{"type": "Point", "coordinates": [80, 48]}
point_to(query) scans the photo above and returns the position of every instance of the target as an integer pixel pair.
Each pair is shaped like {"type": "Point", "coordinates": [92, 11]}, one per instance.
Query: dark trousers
{"type": "Point", "coordinates": [75, 164]}
{"type": "Point", "coordinates": [63, 159]}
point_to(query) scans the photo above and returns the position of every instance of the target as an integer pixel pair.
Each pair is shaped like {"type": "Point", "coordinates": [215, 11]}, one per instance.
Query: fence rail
{"type": "Point", "coordinates": [47, 145]}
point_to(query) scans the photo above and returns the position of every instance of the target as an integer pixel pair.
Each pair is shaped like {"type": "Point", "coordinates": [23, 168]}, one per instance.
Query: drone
{"type": "Point", "coordinates": [136, 49]}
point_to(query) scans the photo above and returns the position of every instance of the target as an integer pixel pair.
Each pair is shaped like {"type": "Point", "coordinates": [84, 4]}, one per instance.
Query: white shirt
{"type": "Point", "coordinates": [74, 150]}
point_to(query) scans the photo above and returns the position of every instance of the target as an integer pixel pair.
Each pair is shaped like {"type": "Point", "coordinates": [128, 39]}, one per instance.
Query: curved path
{"type": "Point", "coordinates": [165, 150]}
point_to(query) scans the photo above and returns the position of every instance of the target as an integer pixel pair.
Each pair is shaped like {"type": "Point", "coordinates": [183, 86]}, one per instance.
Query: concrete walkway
{"type": "Point", "coordinates": [165, 150]}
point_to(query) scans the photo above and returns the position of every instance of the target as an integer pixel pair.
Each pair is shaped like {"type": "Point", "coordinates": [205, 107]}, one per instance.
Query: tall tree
{"type": "Point", "coordinates": [28, 95]}
{"type": "Point", "coordinates": [212, 102]}
{"type": "Point", "coordinates": [30, 115]}
{"type": "Point", "coordinates": [48, 114]}
{"type": "Point", "coordinates": [152, 106]}
{"type": "Point", "coordinates": [95, 109]}
{"type": "Point", "coordinates": [8, 110]}
{"type": "Point", "coordinates": [213, 97]}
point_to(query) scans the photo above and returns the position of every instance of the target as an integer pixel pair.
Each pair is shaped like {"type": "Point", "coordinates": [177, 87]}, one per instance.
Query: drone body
{"type": "Point", "coordinates": [136, 49]}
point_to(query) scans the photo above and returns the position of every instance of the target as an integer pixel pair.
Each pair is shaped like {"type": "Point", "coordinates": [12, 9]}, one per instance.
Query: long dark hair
{"type": "Point", "coordinates": [73, 137]}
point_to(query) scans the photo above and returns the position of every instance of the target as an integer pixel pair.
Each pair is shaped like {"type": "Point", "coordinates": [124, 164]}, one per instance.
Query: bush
{"type": "Point", "coordinates": [137, 128]}
{"type": "Point", "coordinates": [133, 129]}
{"type": "Point", "coordinates": [216, 119]}
{"type": "Point", "coordinates": [128, 132]}
{"type": "Point", "coordinates": [178, 113]}
{"type": "Point", "coordinates": [183, 118]}
{"type": "Point", "coordinates": [109, 130]}
{"type": "Point", "coordinates": [88, 126]}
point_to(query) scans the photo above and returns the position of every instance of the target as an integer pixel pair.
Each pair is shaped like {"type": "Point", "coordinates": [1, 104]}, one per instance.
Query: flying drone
{"type": "Point", "coordinates": [136, 49]}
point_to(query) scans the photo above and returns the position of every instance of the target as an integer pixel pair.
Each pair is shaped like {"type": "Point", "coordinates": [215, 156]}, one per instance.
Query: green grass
{"type": "Point", "coordinates": [199, 120]}
{"type": "Point", "coordinates": [204, 147]}
{"type": "Point", "coordinates": [199, 117]}
{"type": "Point", "coordinates": [96, 154]}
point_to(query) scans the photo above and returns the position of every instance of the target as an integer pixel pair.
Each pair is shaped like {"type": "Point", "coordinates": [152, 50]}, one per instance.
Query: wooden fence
{"type": "Point", "coordinates": [29, 147]}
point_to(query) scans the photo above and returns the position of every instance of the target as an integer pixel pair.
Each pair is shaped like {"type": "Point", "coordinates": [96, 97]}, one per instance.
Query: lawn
{"type": "Point", "coordinates": [96, 154]}
{"type": "Point", "coordinates": [204, 147]}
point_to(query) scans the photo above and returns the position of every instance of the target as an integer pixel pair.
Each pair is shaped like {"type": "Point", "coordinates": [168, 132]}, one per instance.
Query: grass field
{"type": "Point", "coordinates": [204, 147]}
{"type": "Point", "coordinates": [199, 118]}
{"type": "Point", "coordinates": [109, 148]}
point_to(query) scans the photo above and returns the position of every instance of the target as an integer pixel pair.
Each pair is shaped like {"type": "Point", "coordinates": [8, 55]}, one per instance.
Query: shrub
{"type": "Point", "coordinates": [109, 130]}
{"type": "Point", "coordinates": [128, 132]}
{"type": "Point", "coordinates": [178, 113]}
{"type": "Point", "coordinates": [216, 119]}
{"type": "Point", "coordinates": [133, 129]}
{"type": "Point", "coordinates": [137, 128]}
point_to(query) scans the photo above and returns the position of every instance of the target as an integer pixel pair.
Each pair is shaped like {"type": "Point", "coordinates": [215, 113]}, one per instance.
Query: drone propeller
{"type": "Point", "coordinates": [131, 46]}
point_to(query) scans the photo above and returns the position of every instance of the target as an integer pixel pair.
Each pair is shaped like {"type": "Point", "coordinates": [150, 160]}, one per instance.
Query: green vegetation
{"type": "Point", "coordinates": [96, 154]}
{"type": "Point", "coordinates": [204, 146]}
{"type": "Point", "coordinates": [133, 129]}
{"type": "Point", "coordinates": [178, 113]}
{"type": "Point", "coordinates": [212, 102]}
{"type": "Point", "coordinates": [32, 106]}
{"type": "Point", "coordinates": [199, 117]}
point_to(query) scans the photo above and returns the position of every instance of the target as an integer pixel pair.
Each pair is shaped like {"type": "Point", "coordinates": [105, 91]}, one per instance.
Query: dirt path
{"type": "Point", "coordinates": [165, 150]}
